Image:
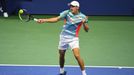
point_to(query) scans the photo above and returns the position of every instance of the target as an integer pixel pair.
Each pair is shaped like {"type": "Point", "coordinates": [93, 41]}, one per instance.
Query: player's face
{"type": "Point", "coordinates": [74, 9]}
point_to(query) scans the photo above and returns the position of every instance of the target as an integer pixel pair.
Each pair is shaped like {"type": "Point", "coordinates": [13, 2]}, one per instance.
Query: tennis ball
{"type": "Point", "coordinates": [21, 11]}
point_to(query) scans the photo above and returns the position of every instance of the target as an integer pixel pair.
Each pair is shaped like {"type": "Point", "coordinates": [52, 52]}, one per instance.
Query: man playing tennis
{"type": "Point", "coordinates": [69, 35]}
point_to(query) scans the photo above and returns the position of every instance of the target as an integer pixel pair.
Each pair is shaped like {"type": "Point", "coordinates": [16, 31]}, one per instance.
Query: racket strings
{"type": "Point", "coordinates": [25, 17]}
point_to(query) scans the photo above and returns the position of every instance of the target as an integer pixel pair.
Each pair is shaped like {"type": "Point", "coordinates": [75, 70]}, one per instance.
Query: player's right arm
{"type": "Point", "coordinates": [55, 19]}
{"type": "Point", "coordinates": [49, 20]}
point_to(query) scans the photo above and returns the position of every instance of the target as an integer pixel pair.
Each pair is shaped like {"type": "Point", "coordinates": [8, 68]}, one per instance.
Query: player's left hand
{"type": "Point", "coordinates": [84, 20]}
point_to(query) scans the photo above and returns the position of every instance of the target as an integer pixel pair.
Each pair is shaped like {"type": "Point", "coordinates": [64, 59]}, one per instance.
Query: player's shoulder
{"type": "Point", "coordinates": [66, 11]}
{"type": "Point", "coordinates": [84, 16]}
{"type": "Point", "coordinates": [81, 14]}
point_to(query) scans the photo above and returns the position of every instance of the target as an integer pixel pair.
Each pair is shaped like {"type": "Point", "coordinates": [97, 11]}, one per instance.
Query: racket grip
{"type": "Point", "coordinates": [35, 19]}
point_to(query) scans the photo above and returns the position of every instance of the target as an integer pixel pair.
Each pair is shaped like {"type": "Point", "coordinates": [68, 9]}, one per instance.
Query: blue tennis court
{"type": "Point", "coordinates": [71, 70]}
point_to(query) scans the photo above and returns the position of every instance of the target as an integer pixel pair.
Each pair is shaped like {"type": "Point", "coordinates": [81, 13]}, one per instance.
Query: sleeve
{"type": "Point", "coordinates": [63, 14]}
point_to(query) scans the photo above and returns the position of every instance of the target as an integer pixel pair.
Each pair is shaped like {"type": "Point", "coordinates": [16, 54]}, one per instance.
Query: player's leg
{"type": "Point", "coordinates": [62, 50]}
{"type": "Point", "coordinates": [61, 58]}
{"type": "Point", "coordinates": [62, 61]}
{"type": "Point", "coordinates": [74, 44]}
{"type": "Point", "coordinates": [79, 60]}
{"type": "Point", "coordinates": [3, 3]}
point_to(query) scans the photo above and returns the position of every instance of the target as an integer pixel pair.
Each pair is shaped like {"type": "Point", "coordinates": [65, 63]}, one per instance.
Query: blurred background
{"type": "Point", "coordinates": [89, 7]}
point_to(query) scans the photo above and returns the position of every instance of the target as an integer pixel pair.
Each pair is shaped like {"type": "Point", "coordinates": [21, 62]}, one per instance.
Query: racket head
{"type": "Point", "coordinates": [24, 16]}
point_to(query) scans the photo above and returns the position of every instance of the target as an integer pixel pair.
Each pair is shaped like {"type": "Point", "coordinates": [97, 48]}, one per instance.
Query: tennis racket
{"type": "Point", "coordinates": [25, 16]}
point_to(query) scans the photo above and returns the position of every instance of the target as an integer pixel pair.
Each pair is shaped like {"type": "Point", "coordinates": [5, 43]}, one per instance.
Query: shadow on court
{"type": "Point", "coordinates": [54, 70]}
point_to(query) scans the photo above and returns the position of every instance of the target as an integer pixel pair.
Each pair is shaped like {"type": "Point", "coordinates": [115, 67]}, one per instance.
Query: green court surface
{"type": "Point", "coordinates": [110, 42]}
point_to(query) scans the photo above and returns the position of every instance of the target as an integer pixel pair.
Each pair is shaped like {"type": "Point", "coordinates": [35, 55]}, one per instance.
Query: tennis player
{"type": "Point", "coordinates": [74, 19]}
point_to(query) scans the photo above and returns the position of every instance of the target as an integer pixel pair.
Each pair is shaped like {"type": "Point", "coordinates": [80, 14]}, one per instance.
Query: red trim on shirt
{"type": "Point", "coordinates": [78, 29]}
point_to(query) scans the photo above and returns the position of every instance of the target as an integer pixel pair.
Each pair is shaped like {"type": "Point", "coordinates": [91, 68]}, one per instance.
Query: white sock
{"type": "Point", "coordinates": [5, 14]}
{"type": "Point", "coordinates": [61, 70]}
{"type": "Point", "coordinates": [84, 72]}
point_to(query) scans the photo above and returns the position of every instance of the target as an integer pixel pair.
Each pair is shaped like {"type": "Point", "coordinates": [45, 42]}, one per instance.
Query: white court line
{"type": "Point", "coordinates": [120, 67]}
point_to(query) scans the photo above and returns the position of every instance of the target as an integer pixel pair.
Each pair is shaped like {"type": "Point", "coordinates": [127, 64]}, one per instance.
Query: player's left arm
{"type": "Point", "coordinates": [86, 27]}
{"type": "Point", "coordinates": [85, 24]}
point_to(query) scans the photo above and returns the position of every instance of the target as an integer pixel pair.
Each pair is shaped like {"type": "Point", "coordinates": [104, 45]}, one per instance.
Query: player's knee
{"type": "Point", "coordinates": [61, 56]}
{"type": "Point", "coordinates": [77, 56]}
{"type": "Point", "coordinates": [62, 53]}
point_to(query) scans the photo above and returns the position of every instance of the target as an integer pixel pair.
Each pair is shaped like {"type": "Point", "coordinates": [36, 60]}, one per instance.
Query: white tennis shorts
{"type": "Point", "coordinates": [66, 42]}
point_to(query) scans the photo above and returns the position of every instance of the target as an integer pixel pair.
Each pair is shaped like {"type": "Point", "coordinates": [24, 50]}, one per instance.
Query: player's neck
{"type": "Point", "coordinates": [77, 12]}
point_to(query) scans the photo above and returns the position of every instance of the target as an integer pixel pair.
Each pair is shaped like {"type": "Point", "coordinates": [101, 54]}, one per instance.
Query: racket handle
{"type": "Point", "coordinates": [35, 19]}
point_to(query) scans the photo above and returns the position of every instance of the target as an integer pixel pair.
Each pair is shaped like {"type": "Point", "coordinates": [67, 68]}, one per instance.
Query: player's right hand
{"type": "Point", "coordinates": [40, 21]}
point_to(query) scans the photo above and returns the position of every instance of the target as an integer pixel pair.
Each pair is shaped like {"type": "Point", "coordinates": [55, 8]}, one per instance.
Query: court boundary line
{"type": "Point", "coordinates": [120, 67]}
